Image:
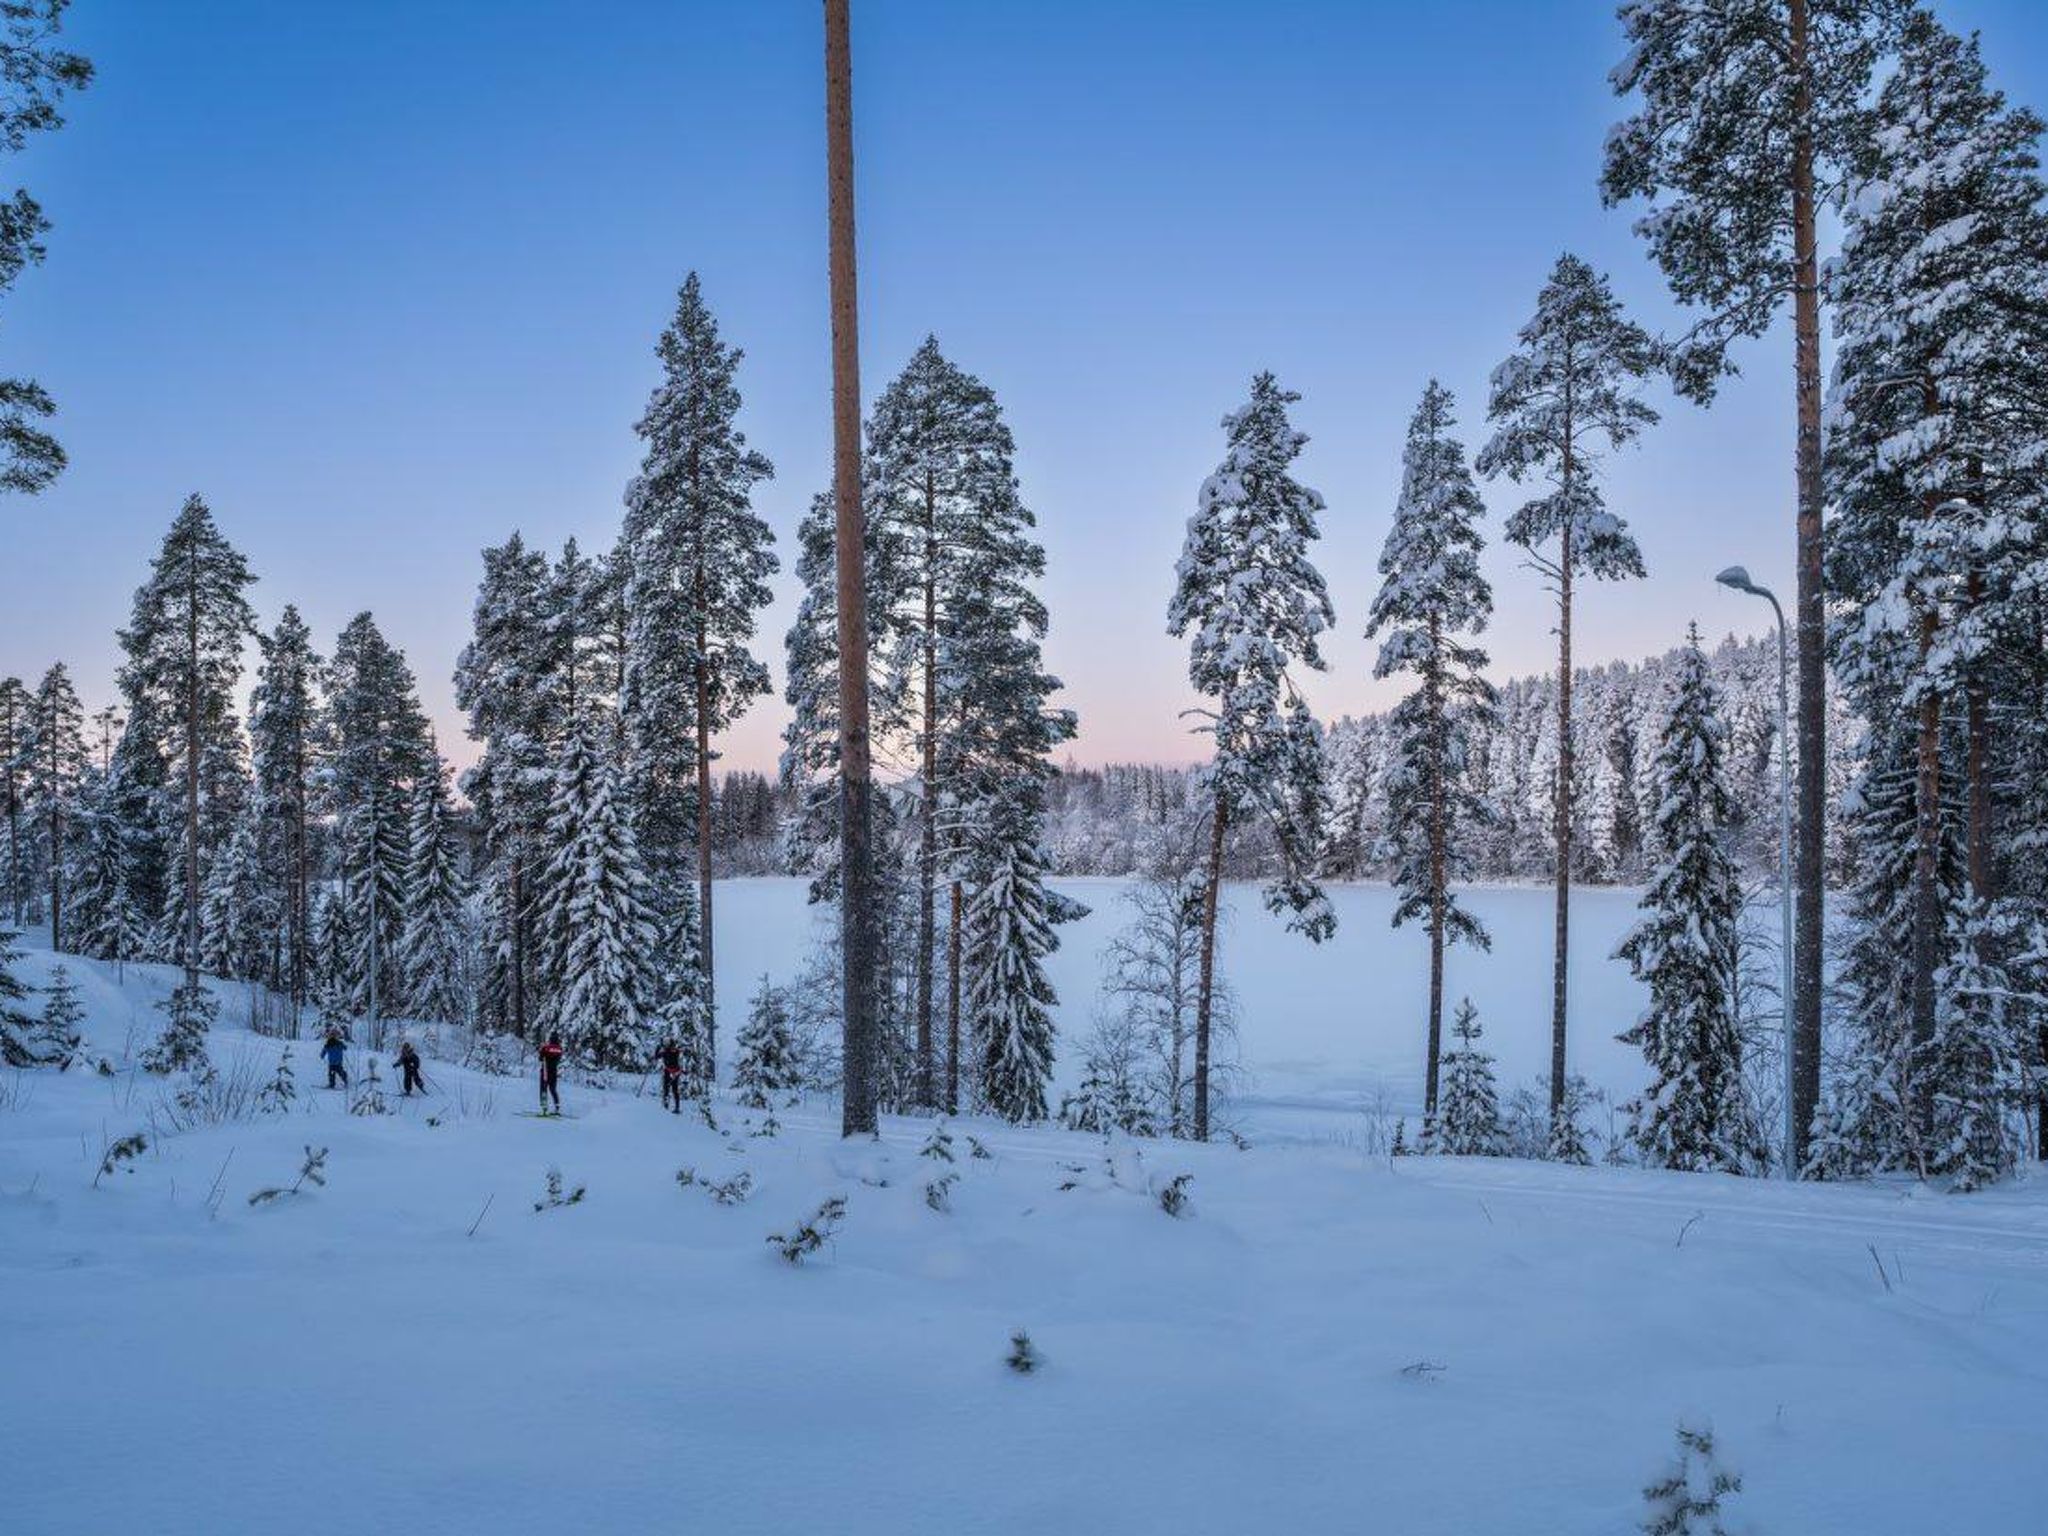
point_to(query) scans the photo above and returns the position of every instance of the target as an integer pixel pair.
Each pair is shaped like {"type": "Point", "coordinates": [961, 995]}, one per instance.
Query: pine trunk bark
{"type": "Point", "coordinates": [1976, 768]}
{"type": "Point", "coordinates": [1927, 915]}
{"type": "Point", "coordinates": [956, 924]}
{"type": "Point", "coordinates": [928, 827]}
{"type": "Point", "coordinates": [1811, 833]}
{"type": "Point", "coordinates": [1206, 992]}
{"type": "Point", "coordinates": [1561, 817]}
{"type": "Point", "coordinates": [855, 789]}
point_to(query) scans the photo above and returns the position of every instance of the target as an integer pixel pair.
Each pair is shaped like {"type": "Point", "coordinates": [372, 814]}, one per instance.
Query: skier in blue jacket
{"type": "Point", "coordinates": [334, 1051]}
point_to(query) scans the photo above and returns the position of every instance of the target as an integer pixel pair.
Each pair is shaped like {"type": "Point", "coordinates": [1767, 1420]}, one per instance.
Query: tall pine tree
{"type": "Point", "coordinates": [56, 764]}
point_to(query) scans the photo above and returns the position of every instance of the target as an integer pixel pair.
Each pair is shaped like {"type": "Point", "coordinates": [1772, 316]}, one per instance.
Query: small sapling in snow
{"type": "Point", "coordinates": [1686, 1499]}
{"type": "Point", "coordinates": [733, 1191]}
{"type": "Point", "coordinates": [1173, 1194]}
{"type": "Point", "coordinates": [277, 1095]}
{"type": "Point", "coordinates": [768, 1127]}
{"type": "Point", "coordinates": [939, 1145]}
{"type": "Point", "coordinates": [978, 1152]}
{"type": "Point", "coordinates": [118, 1152]}
{"type": "Point", "coordinates": [555, 1197]}
{"type": "Point", "coordinates": [810, 1234]}
{"type": "Point", "coordinates": [1023, 1357]}
{"type": "Point", "coordinates": [312, 1171]}
{"type": "Point", "coordinates": [939, 1193]}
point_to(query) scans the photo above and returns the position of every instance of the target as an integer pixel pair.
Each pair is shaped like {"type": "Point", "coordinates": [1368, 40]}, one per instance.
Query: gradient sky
{"type": "Point", "coordinates": [381, 280]}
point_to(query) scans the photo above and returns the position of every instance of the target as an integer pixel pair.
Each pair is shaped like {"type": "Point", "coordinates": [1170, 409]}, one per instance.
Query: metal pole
{"type": "Point", "coordinates": [1785, 879]}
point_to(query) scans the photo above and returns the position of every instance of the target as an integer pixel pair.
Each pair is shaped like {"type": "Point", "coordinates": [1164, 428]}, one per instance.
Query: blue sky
{"type": "Point", "coordinates": [381, 280]}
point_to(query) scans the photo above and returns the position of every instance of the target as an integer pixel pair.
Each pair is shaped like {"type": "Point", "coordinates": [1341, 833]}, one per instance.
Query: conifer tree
{"type": "Point", "coordinates": [184, 657]}
{"type": "Point", "coordinates": [1469, 1122]}
{"type": "Point", "coordinates": [1010, 932]}
{"type": "Point", "coordinates": [188, 1013]}
{"type": "Point", "coordinates": [1255, 606]}
{"type": "Point", "coordinates": [1686, 1499]}
{"type": "Point", "coordinates": [235, 912]}
{"type": "Point", "coordinates": [106, 923]}
{"type": "Point", "coordinates": [1686, 947]}
{"type": "Point", "coordinates": [17, 1029]}
{"type": "Point", "coordinates": [56, 763]}
{"type": "Point", "coordinates": [1563, 398]}
{"type": "Point", "coordinates": [432, 944]}
{"type": "Point", "coordinates": [597, 902]}
{"type": "Point", "coordinates": [379, 750]}
{"type": "Point", "coordinates": [697, 559]}
{"type": "Point", "coordinates": [58, 1039]}
{"type": "Point", "coordinates": [35, 77]}
{"type": "Point", "coordinates": [1974, 1072]}
{"type": "Point", "coordinates": [1433, 596]}
{"type": "Point", "coordinates": [767, 1067]}
{"type": "Point", "coordinates": [286, 734]}
{"type": "Point", "coordinates": [1750, 113]}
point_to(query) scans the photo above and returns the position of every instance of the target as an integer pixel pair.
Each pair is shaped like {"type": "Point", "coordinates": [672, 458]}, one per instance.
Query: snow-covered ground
{"type": "Point", "coordinates": [1323, 1343]}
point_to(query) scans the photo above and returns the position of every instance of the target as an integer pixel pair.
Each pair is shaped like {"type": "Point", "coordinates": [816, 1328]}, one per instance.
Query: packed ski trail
{"type": "Point", "coordinates": [1325, 1342]}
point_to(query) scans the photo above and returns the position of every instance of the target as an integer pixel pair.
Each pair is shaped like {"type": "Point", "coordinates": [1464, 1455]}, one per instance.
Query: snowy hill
{"type": "Point", "coordinates": [1320, 1342]}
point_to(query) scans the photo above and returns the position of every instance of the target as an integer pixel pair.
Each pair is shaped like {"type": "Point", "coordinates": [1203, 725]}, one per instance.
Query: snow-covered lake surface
{"type": "Point", "coordinates": [1324, 1342]}
{"type": "Point", "coordinates": [1325, 1028]}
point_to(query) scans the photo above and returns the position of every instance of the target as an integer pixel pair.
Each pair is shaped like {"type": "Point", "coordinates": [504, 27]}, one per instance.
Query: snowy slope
{"type": "Point", "coordinates": [353, 1361]}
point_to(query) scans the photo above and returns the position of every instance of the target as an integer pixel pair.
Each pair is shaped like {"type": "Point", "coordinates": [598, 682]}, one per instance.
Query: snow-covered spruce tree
{"type": "Point", "coordinates": [1942, 310]}
{"type": "Point", "coordinates": [379, 749]}
{"type": "Point", "coordinates": [183, 646]}
{"type": "Point", "coordinates": [56, 764]}
{"type": "Point", "coordinates": [1685, 947]}
{"type": "Point", "coordinates": [58, 1039]}
{"type": "Point", "coordinates": [188, 1013]}
{"type": "Point", "coordinates": [1468, 1123]}
{"type": "Point", "coordinates": [38, 75]}
{"type": "Point", "coordinates": [1432, 599]}
{"type": "Point", "coordinates": [1254, 605]}
{"type": "Point", "coordinates": [1749, 114]}
{"type": "Point", "coordinates": [1009, 934]}
{"type": "Point", "coordinates": [1686, 1498]}
{"type": "Point", "coordinates": [596, 897]}
{"type": "Point", "coordinates": [767, 1068]}
{"type": "Point", "coordinates": [1114, 1092]}
{"type": "Point", "coordinates": [434, 941]}
{"type": "Point", "coordinates": [236, 916]}
{"type": "Point", "coordinates": [18, 1031]}
{"type": "Point", "coordinates": [695, 560]}
{"type": "Point", "coordinates": [286, 738]}
{"type": "Point", "coordinates": [107, 925]}
{"type": "Point", "coordinates": [508, 680]}
{"type": "Point", "coordinates": [1565, 396]}
{"type": "Point", "coordinates": [1974, 1072]}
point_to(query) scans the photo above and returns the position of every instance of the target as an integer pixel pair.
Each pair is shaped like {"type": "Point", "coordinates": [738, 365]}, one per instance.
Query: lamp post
{"type": "Point", "coordinates": [1738, 578]}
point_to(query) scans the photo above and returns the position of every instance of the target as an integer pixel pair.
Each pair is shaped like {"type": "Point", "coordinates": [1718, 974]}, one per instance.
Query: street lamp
{"type": "Point", "coordinates": [1738, 578]}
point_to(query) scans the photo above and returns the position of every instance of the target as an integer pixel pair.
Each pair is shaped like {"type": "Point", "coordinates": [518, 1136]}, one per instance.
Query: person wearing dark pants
{"type": "Point", "coordinates": [334, 1051]}
{"type": "Point", "coordinates": [671, 1059]}
{"type": "Point", "coordinates": [551, 1074]}
{"type": "Point", "coordinates": [409, 1068]}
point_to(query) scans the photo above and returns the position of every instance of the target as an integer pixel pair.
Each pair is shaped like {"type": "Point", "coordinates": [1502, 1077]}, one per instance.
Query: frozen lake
{"type": "Point", "coordinates": [1324, 1029]}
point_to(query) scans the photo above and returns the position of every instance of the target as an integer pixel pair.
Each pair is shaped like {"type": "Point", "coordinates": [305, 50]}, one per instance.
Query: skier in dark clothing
{"type": "Point", "coordinates": [551, 1074]}
{"type": "Point", "coordinates": [334, 1051]}
{"type": "Point", "coordinates": [671, 1058]}
{"type": "Point", "coordinates": [409, 1065]}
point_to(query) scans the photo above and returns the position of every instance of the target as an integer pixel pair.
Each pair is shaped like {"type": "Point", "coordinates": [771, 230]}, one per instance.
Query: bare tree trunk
{"type": "Point", "coordinates": [1437, 871]}
{"type": "Point", "coordinates": [1927, 913]}
{"type": "Point", "coordinates": [704, 950]}
{"type": "Point", "coordinates": [192, 773]}
{"type": "Point", "coordinates": [953, 1003]}
{"type": "Point", "coordinates": [856, 881]}
{"type": "Point", "coordinates": [1561, 817]}
{"type": "Point", "coordinates": [1811, 846]}
{"type": "Point", "coordinates": [1205, 996]}
{"type": "Point", "coordinates": [928, 828]}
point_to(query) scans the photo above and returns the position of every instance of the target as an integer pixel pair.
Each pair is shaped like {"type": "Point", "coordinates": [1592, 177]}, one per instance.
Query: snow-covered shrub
{"type": "Point", "coordinates": [278, 1095]}
{"type": "Point", "coordinates": [768, 1067]}
{"type": "Point", "coordinates": [1113, 1095]}
{"type": "Point", "coordinates": [1023, 1357]}
{"type": "Point", "coordinates": [57, 1037]}
{"type": "Point", "coordinates": [1468, 1115]}
{"type": "Point", "coordinates": [554, 1197]}
{"type": "Point", "coordinates": [732, 1191]}
{"type": "Point", "coordinates": [312, 1171]}
{"type": "Point", "coordinates": [938, 1194]}
{"type": "Point", "coordinates": [1686, 1498]}
{"type": "Point", "coordinates": [119, 1152]}
{"type": "Point", "coordinates": [368, 1098]}
{"type": "Point", "coordinates": [939, 1145]}
{"type": "Point", "coordinates": [1173, 1194]}
{"type": "Point", "coordinates": [810, 1234]}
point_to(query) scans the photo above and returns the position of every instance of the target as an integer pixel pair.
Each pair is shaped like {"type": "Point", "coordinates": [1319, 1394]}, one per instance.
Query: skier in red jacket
{"type": "Point", "coordinates": [551, 1074]}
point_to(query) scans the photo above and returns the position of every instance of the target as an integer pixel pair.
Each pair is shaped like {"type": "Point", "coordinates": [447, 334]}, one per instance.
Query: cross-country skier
{"type": "Point", "coordinates": [409, 1065]}
{"type": "Point", "coordinates": [671, 1058]}
{"type": "Point", "coordinates": [551, 1074]}
{"type": "Point", "coordinates": [334, 1051]}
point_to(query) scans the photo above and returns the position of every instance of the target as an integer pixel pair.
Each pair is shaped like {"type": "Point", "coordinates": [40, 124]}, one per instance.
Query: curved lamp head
{"type": "Point", "coordinates": [1737, 576]}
